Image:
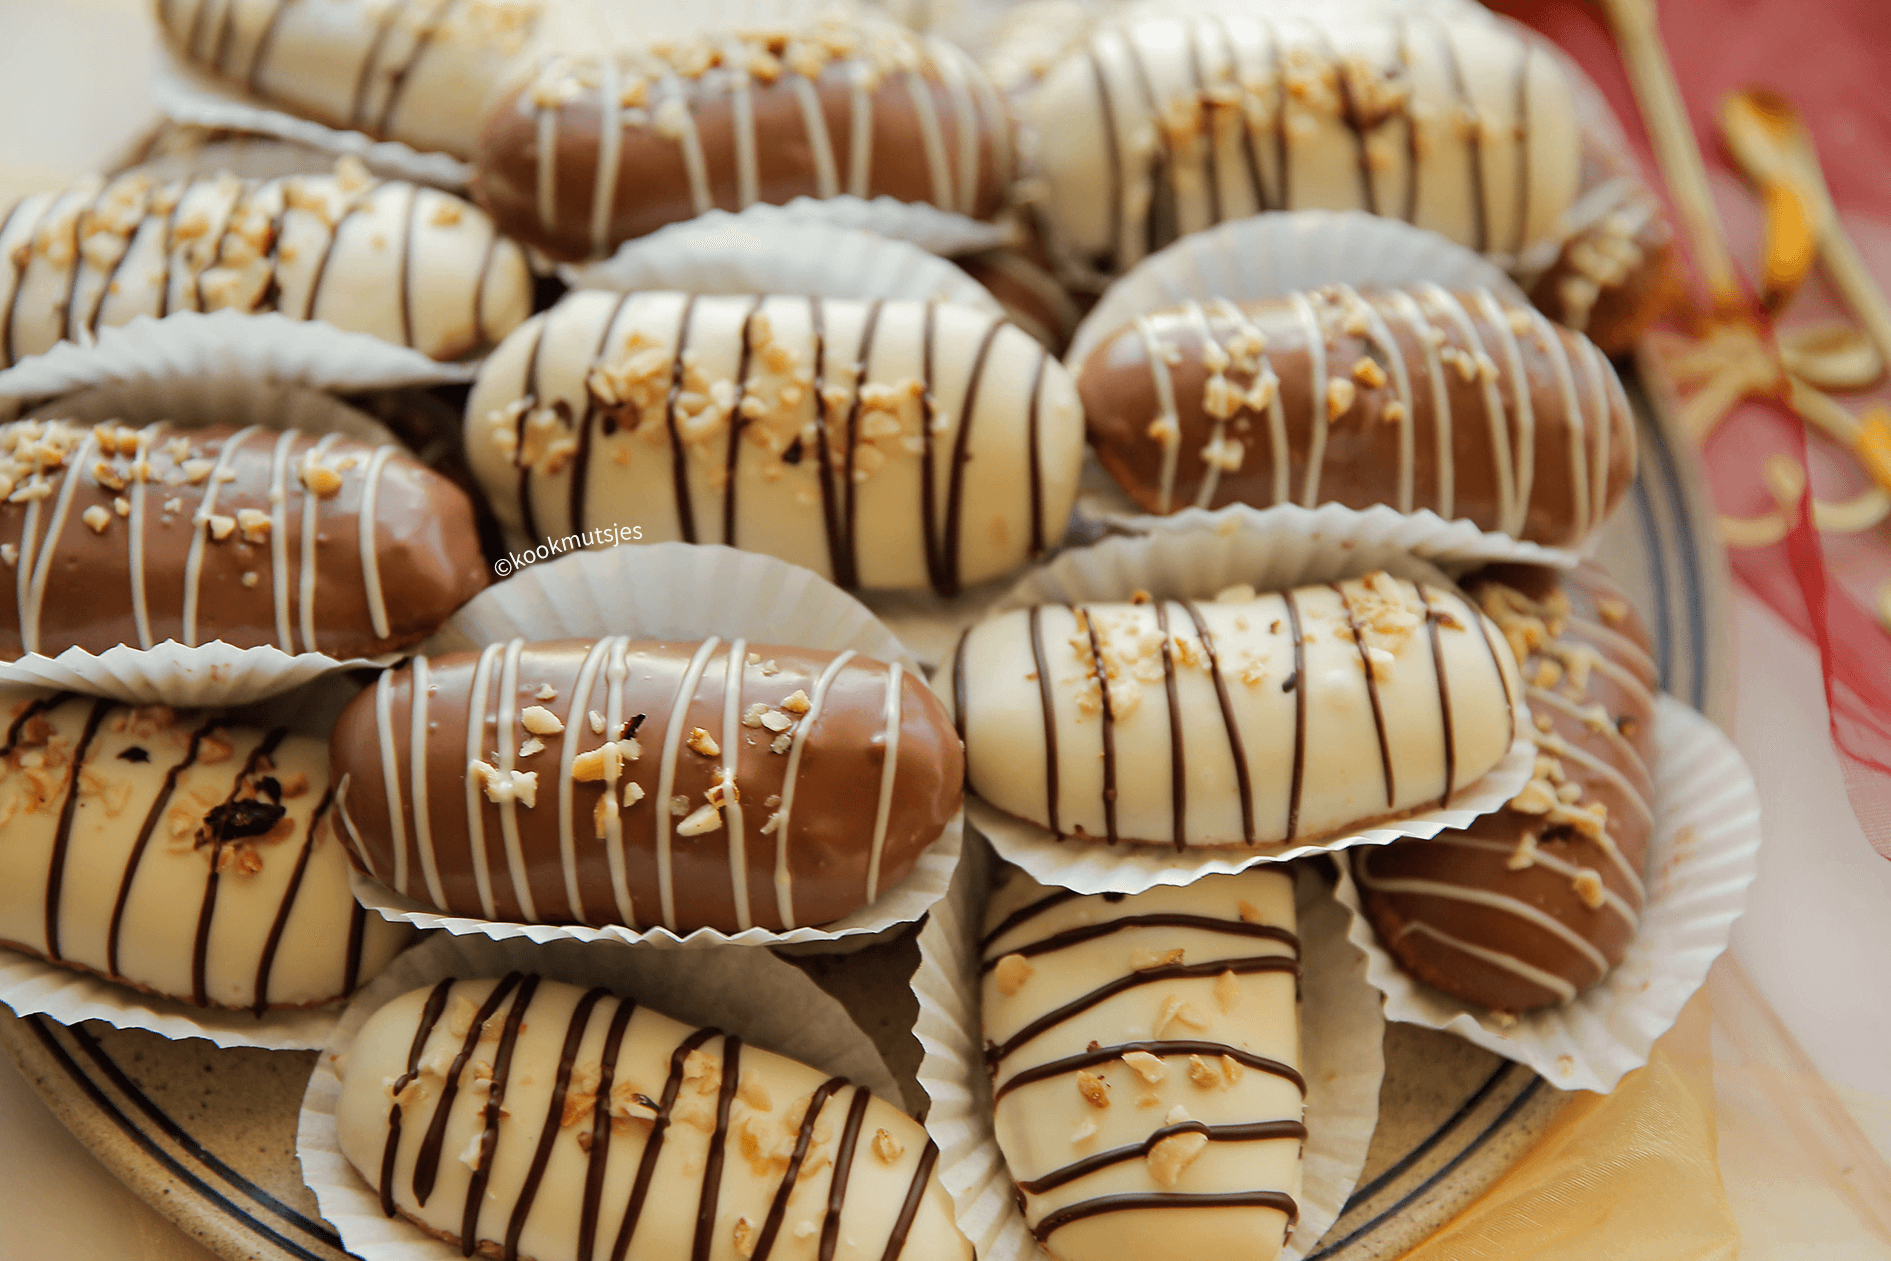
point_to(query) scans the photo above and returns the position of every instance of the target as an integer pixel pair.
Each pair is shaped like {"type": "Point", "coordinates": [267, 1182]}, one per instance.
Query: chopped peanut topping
{"type": "Point", "coordinates": [540, 721]}
{"type": "Point", "coordinates": [1093, 1088]}
{"type": "Point", "coordinates": [1011, 974]}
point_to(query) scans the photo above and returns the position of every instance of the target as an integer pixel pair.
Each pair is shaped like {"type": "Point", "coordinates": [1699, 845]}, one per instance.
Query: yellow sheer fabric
{"type": "Point", "coordinates": [1627, 1176]}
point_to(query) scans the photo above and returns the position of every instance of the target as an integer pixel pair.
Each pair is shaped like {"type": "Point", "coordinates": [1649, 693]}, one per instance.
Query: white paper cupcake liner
{"type": "Point", "coordinates": [1341, 1050]}
{"type": "Point", "coordinates": [682, 591]}
{"type": "Point", "coordinates": [1703, 856]}
{"type": "Point", "coordinates": [216, 674]}
{"type": "Point", "coordinates": [1268, 255]}
{"type": "Point", "coordinates": [33, 986]}
{"type": "Point", "coordinates": [931, 228]}
{"type": "Point", "coordinates": [777, 249]}
{"type": "Point", "coordinates": [1268, 553]}
{"type": "Point", "coordinates": [748, 993]}
{"type": "Point", "coordinates": [269, 348]}
{"type": "Point", "coordinates": [188, 95]}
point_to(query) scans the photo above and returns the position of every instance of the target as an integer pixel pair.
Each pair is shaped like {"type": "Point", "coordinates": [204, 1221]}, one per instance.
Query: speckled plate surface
{"type": "Point", "coordinates": [208, 1135]}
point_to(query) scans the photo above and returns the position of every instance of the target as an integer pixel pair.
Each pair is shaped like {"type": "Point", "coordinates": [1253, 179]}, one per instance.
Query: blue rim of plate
{"type": "Point", "coordinates": [1666, 501]}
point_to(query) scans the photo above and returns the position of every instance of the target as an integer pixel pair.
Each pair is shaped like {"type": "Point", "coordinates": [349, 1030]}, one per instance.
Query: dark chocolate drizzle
{"type": "Point", "coordinates": [1300, 715]}
{"type": "Point", "coordinates": [824, 454]}
{"type": "Point", "coordinates": [1025, 914]}
{"type": "Point", "coordinates": [554, 1121]}
{"type": "Point", "coordinates": [1050, 719]}
{"type": "Point", "coordinates": [778, 1208]}
{"type": "Point", "coordinates": [736, 424]}
{"type": "Point", "coordinates": [1372, 690]}
{"type": "Point", "coordinates": [679, 471]}
{"type": "Point", "coordinates": [653, 1145]}
{"type": "Point", "coordinates": [268, 961]}
{"type": "Point", "coordinates": [1254, 1132]}
{"type": "Point", "coordinates": [598, 1158]}
{"type": "Point", "coordinates": [1108, 726]}
{"type": "Point", "coordinates": [581, 458]}
{"type": "Point", "coordinates": [1053, 1222]}
{"type": "Point", "coordinates": [850, 577]}
{"type": "Point", "coordinates": [1178, 766]}
{"type": "Point", "coordinates": [357, 933]}
{"type": "Point", "coordinates": [704, 1240]}
{"type": "Point", "coordinates": [955, 481]}
{"type": "Point", "coordinates": [843, 1171]}
{"type": "Point", "coordinates": [1235, 745]}
{"type": "Point", "coordinates": [1159, 919]}
{"type": "Point", "coordinates": [427, 1159]}
{"type": "Point", "coordinates": [909, 1207]}
{"type": "Point", "coordinates": [1474, 142]}
{"type": "Point", "coordinates": [429, 1017]}
{"type": "Point", "coordinates": [200, 952]}
{"type": "Point", "coordinates": [1032, 457]}
{"type": "Point", "coordinates": [132, 861]}
{"type": "Point", "coordinates": [489, 1119]}
{"type": "Point", "coordinates": [1148, 976]}
{"type": "Point", "coordinates": [1107, 262]}
{"type": "Point", "coordinates": [528, 403]}
{"type": "Point", "coordinates": [928, 408]}
{"type": "Point", "coordinates": [62, 838]}
{"type": "Point", "coordinates": [1161, 1050]}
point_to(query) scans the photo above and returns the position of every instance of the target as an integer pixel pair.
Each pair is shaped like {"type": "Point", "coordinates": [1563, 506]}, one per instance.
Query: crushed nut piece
{"type": "Point", "coordinates": [1093, 1088]}
{"type": "Point", "coordinates": [97, 518]}
{"type": "Point", "coordinates": [1588, 885]}
{"type": "Point", "coordinates": [705, 818]}
{"type": "Point", "coordinates": [1169, 1157]}
{"type": "Point", "coordinates": [540, 721]}
{"type": "Point", "coordinates": [886, 1147]}
{"type": "Point", "coordinates": [1227, 991]}
{"type": "Point", "coordinates": [597, 722]}
{"type": "Point", "coordinates": [503, 786]}
{"type": "Point", "coordinates": [254, 523]}
{"type": "Point", "coordinates": [1149, 1067]}
{"type": "Point", "coordinates": [1012, 972]}
{"type": "Point", "coordinates": [221, 527]}
{"type": "Point", "coordinates": [702, 742]}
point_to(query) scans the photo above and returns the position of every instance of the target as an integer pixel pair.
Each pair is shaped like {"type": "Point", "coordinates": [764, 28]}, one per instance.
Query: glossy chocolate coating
{"type": "Point", "coordinates": [831, 804]}
{"type": "Point", "coordinates": [523, 1117]}
{"type": "Point", "coordinates": [593, 150]}
{"type": "Point", "coordinates": [1535, 903]}
{"type": "Point", "coordinates": [250, 536]}
{"type": "Point", "coordinates": [177, 854]}
{"type": "Point", "coordinates": [1460, 402]}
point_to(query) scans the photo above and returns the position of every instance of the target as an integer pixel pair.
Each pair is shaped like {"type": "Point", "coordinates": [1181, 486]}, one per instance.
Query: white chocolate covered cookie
{"type": "Point", "coordinates": [1248, 720]}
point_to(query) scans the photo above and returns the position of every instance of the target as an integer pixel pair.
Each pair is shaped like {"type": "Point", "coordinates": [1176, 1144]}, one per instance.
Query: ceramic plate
{"type": "Point", "coordinates": [208, 1135]}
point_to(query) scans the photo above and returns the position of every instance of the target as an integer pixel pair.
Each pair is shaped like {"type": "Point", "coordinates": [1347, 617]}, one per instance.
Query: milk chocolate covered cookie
{"type": "Point", "coordinates": [718, 784]}
{"type": "Point", "coordinates": [114, 535]}
{"type": "Point", "coordinates": [1536, 903]}
{"type": "Point", "coordinates": [1455, 401]}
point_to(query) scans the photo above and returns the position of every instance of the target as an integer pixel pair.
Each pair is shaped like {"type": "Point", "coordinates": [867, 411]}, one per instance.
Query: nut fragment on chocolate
{"type": "Point", "coordinates": [1154, 124]}
{"type": "Point", "coordinates": [408, 264]}
{"type": "Point", "coordinates": [176, 854]}
{"type": "Point", "coordinates": [1149, 1112]}
{"type": "Point", "coordinates": [524, 1117]}
{"type": "Point", "coordinates": [796, 822]}
{"type": "Point", "coordinates": [883, 444]}
{"type": "Point", "coordinates": [1459, 402]}
{"type": "Point", "coordinates": [408, 70]}
{"type": "Point", "coordinates": [119, 535]}
{"type": "Point", "coordinates": [589, 149]}
{"type": "Point", "coordinates": [1244, 721]}
{"type": "Point", "coordinates": [1536, 903]}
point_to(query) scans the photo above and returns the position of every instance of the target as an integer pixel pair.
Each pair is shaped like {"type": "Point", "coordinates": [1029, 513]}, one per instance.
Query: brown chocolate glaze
{"type": "Point", "coordinates": [1462, 403]}
{"type": "Point", "coordinates": [294, 574]}
{"type": "Point", "coordinates": [673, 135]}
{"type": "Point", "coordinates": [1569, 879]}
{"type": "Point", "coordinates": [551, 862]}
{"type": "Point", "coordinates": [1616, 273]}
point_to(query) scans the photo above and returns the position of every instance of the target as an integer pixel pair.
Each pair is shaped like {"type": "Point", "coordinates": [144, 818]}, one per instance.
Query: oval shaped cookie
{"type": "Point", "coordinates": [1537, 902]}
{"type": "Point", "coordinates": [408, 70]}
{"type": "Point", "coordinates": [1237, 722]}
{"type": "Point", "coordinates": [592, 149]}
{"type": "Point", "coordinates": [172, 852]}
{"type": "Point", "coordinates": [522, 1117]}
{"type": "Point", "coordinates": [718, 784]}
{"type": "Point", "coordinates": [407, 264]}
{"type": "Point", "coordinates": [1145, 1061]}
{"type": "Point", "coordinates": [883, 444]}
{"type": "Point", "coordinates": [113, 535]}
{"type": "Point", "coordinates": [1423, 398]}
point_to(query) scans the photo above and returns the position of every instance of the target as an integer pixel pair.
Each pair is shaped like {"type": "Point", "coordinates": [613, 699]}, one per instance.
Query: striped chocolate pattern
{"type": "Point", "coordinates": [408, 264]}
{"type": "Point", "coordinates": [1247, 720]}
{"type": "Point", "coordinates": [526, 1117]}
{"type": "Point", "coordinates": [1536, 903]}
{"type": "Point", "coordinates": [1144, 1059]}
{"type": "Point", "coordinates": [178, 854]}
{"type": "Point", "coordinates": [883, 444]}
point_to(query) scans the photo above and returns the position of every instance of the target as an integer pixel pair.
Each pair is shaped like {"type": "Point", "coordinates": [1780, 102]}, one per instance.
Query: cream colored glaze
{"type": "Point", "coordinates": [850, 1217]}
{"type": "Point", "coordinates": [198, 913]}
{"type": "Point", "coordinates": [1310, 769]}
{"type": "Point", "coordinates": [1049, 1124]}
{"type": "Point", "coordinates": [409, 70]}
{"type": "Point", "coordinates": [598, 384]}
{"type": "Point", "coordinates": [1455, 124]}
{"type": "Point", "coordinates": [408, 264]}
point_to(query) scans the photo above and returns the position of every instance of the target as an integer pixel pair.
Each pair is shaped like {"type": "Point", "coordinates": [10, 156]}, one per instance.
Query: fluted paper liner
{"type": "Point", "coordinates": [216, 674]}
{"type": "Point", "coordinates": [1341, 1054]}
{"type": "Point", "coordinates": [1268, 553]}
{"type": "Point", "coordinates": [1702, 857]}
{"type": "Point", "coordinates": [31, 986]}
{"type": "Point", "coordinates": [187, 94]}
{"type": "Point", "coordinates": [267, 347]}
{"type": "Point", "coordinates": [930, 227]}
{"type": "Point", "coordinates": [778, 249]}
{"type": "Point", "coordinates": [764, 1001]}
{"type": "Point", "coordinates": [681, 591]}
